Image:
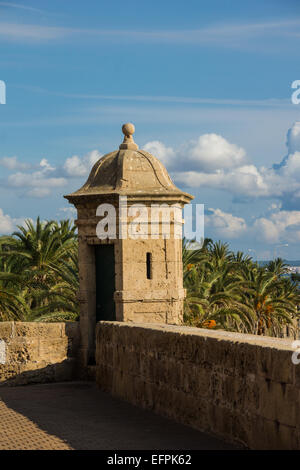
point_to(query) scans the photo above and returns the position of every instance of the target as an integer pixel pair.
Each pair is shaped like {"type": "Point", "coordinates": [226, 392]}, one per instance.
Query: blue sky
{"type": "Point", "coordinates": [207, 84]}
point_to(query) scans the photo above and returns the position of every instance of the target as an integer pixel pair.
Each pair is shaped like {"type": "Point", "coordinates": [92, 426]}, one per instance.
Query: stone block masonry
{"type": "Point", "coordinates": [243, 388]}
{"type": "Point", "coordinates": [133, 270]}
{"type": "Point", "coordinates": [38, 352]}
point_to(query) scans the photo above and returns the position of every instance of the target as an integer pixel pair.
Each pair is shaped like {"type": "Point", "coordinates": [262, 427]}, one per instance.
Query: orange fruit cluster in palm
{"type": "Point", "coordinates": [209, 323]}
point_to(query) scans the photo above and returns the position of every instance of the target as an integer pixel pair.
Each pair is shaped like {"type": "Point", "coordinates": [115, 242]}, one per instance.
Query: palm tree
{"type": "Point", "coordinates": [12, 304]}
{"type": "Point", "coordinates": [39, 282]}
{"type": "Point", "coordinates": [37, 253]}
{"type": "Point", "coordinates": [60, 301]}
{"type": "Point", "coordinates": [269, 307]}
{"type": "Point", "coordinates": [230, 291]}
{"type": "Point", "coordinates": [192, 256]}
{"type": "Point", "coordinates": [277, 267]}
{"type": "Point", "coordinates": [211, 300]}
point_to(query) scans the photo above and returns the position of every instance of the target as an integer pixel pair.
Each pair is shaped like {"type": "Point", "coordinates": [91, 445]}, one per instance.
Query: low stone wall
{"type": "Point", "coordinates": [243, 388]}
{"type": "Point", "coordinates": [37, 352]}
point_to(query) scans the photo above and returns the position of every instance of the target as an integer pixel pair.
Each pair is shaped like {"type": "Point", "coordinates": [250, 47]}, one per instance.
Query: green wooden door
{"type": "Point", "coordinates": [105, 282]}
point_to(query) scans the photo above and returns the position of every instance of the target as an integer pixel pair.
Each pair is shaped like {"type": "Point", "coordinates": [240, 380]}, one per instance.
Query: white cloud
{"type": "Point", "coordinates": [68, 209]}
{"type": "Point", "coordinates": [292, 167]}
{"type": "Point", "coordinates": [38, 192]}
{"type": "Point", "coordinates": [209, 161]}
{"type": "Point", "coordinates": [76, 166]}
{"type": "Point", "coordinates": [8, 224]}
{"type": "Point", "coordinates": [20, 6]}
{"type": "Point", "coordinates": [280, 227]}
{"type": "Point", "coordinates": [32, 32]}
{"type": "Point", "coordinates": [209, 153]}
{"type": "Point", "coordinates": [46, 165]}
{"type": "Point", "coordinates": [293, 138]}
{"type": "Point", "coordinates": [69, 212]}
{"type": "Point", "coordinates": [274, 206]}
{"type": "Point", "coordinates": [246, 180]}
{"type": "Point", "coordinates": [212, 152]}
{"type": "Point", "coordinates": [213, 162]}
{"type": "Point", "coordinates": [225, 224]}
{"type": "Point", "coordinates": [232, 35]}
{"type": "Point", "coordinates": [44, 178]}
{"type": "Point", "coordinates": [12, 163]}
{"type": "Point", "coordinates": [36, 179]}
{"type": "Point", "coordinates": [163, 153]}
{"type": "Point", "coordinates": [37, 183]}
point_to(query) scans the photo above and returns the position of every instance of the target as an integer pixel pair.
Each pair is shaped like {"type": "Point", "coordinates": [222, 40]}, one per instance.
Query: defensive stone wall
{"type": "Point", "coordinates": [37, 352]}
{"type": "Point", "coordinates": [243, 388]}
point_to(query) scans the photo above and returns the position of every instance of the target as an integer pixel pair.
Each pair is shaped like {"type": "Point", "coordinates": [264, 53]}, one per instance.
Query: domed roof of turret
{"type": "Point", "coordinates": [129, 171]}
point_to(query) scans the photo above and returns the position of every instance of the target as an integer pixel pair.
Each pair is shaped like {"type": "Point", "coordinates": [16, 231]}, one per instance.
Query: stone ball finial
{"type": "Point", "coordinates": [128, 129]}
{"type": "Point", "coordinates": [128, 142]}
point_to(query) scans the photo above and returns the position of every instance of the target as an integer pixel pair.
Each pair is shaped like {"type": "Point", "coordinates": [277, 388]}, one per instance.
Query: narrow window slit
{"type": "Point", "coordinates": [149, 265]}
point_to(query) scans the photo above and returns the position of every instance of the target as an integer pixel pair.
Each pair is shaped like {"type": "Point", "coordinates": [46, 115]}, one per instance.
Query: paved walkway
{"type": "Point", "coordinates": [76, 415]}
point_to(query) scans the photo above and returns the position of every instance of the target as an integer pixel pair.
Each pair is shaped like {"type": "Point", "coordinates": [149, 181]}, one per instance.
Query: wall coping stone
{"type": "Point", "coordinates": [256, 340]}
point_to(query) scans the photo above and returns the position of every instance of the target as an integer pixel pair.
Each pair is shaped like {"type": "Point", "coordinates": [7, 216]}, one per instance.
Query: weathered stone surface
{"type": "Point", "coordinates": [150, 292]}
{"type": "Point", "coordinates": [241, 387]}
{"type": "Point", "coordinates": [38, 352]}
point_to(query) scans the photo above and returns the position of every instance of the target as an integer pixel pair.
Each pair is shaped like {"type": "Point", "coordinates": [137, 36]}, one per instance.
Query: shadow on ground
{"type": "Point", "coordinates": [86, 418]}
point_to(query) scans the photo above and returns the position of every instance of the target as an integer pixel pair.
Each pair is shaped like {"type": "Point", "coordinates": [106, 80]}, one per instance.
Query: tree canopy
{"type": "Point", "coordinates": [39, 272]}
{"type": "Point", "coordinates": [39, 281]}
{"type": "Point", "coordinates": [230, 291]}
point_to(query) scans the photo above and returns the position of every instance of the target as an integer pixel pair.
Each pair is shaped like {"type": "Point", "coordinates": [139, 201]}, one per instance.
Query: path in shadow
{"type": "Point", "coordinates": [87, 418]}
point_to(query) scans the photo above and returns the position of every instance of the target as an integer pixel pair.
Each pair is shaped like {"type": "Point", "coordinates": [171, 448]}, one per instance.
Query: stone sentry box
{"type": "Point", "coordinates": [122, 278]}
